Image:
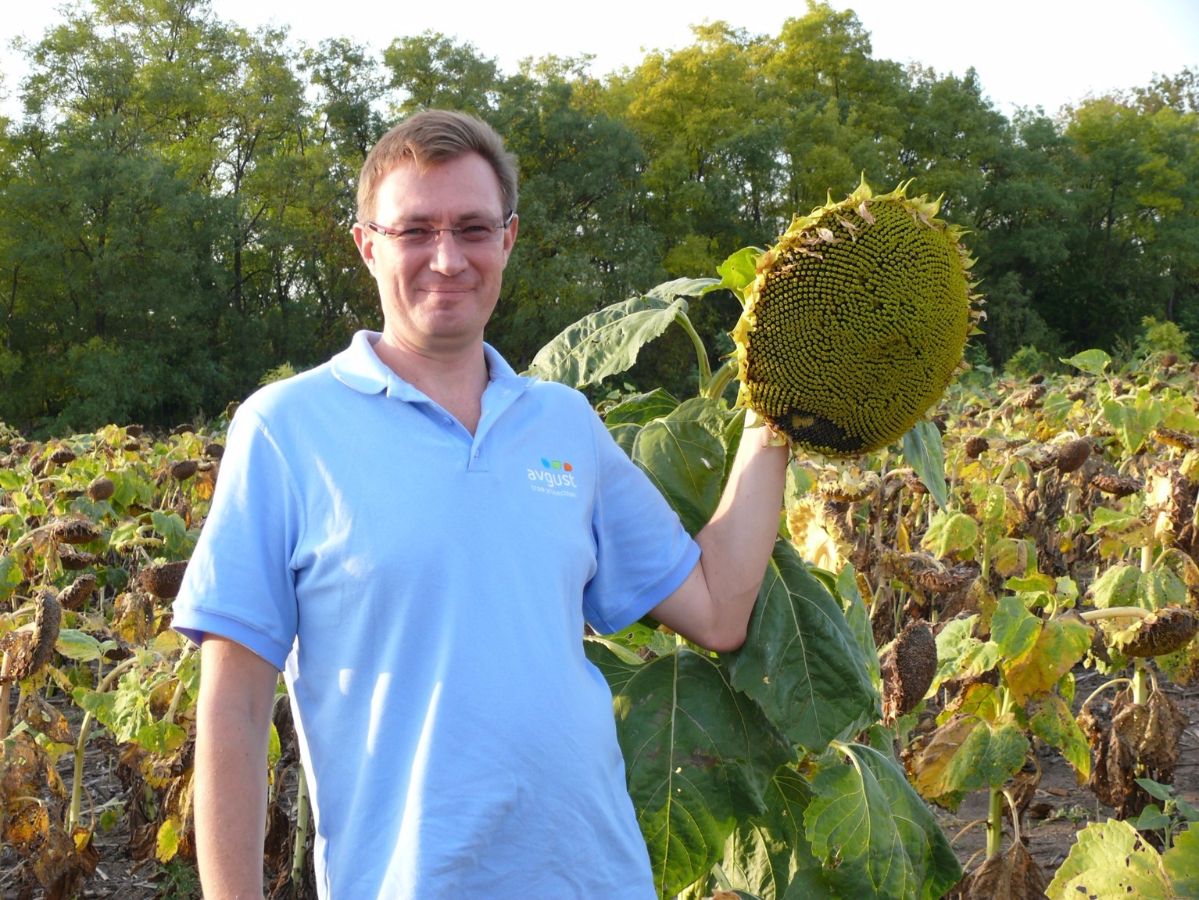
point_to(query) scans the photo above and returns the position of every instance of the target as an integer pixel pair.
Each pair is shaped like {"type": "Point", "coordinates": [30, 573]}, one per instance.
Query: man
{"type": "Point", "coordinates": [415, 535]}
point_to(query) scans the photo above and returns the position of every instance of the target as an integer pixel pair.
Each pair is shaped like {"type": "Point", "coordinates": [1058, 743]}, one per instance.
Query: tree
{"type": "Point", "coordinates": [186, 226]}
{"type": "Point", "coordinates": [584, 241]}
{"type": "Point", "coordinates": [431, 70]}
{"type": "Point", "coordinates": [109, 291]}
{"type": "Point", "coordinates": [1128, 186]}
{"type": "Point", "coordinates": [953, 142]}
{"type": "Point", "coordinates": [1024, 224]}
{"type": "Point", "coordinates": [709, 174]}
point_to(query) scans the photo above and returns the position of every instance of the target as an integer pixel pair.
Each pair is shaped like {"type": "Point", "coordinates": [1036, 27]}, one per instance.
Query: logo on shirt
{"type": "Point", "coordinates": [554, 477]}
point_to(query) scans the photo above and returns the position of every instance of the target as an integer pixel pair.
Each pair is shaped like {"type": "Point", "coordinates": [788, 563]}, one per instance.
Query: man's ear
{"type": "Point", "coordinates": [365, 244]}
{"type": "Point", "coordinates": [510, 236]}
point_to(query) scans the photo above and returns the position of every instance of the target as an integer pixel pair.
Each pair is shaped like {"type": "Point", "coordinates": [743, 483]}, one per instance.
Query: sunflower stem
{"type": "Point", "coordinates": [995, 823]}
{"type": "Point", "coordinates": [701, 352]}
{"type": "Point", "coordinates": [1140, 683]}
{"type": "Point", "coordinates": [298, 854]}
{"type": "Point", "coordinates": [720, 380]}
{"type": "Point", "coordinates": [4, 691]}
{"type": "Point", "coordinates": [85, 729]}
{"type": "Point", "coordinates": [1114, 612]}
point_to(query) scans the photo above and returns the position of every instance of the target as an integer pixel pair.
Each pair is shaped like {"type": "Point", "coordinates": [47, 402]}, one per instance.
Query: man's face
{"type": "Point", "coordinates": [437, 296]}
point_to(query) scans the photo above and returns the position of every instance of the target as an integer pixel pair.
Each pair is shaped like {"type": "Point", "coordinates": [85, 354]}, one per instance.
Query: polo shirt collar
{"type": "Point", "coordinates": [359, 368]}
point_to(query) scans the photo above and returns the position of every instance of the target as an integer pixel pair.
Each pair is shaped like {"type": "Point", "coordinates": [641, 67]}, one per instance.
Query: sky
{"type": "Point", "coordinates": [1028, 53]}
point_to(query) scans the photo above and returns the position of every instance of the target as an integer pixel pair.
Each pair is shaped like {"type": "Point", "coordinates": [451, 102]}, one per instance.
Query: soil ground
{"type": "Point", "coordinates": [1058, 810]}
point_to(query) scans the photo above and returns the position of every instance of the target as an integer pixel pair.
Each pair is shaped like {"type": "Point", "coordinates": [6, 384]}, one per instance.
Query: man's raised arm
{"type": "Point", "coordinates": [712, 607]}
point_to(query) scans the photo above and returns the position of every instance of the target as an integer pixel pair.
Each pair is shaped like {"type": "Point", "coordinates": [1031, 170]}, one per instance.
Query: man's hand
{"type": "Point", "coordinates": [237, 692]}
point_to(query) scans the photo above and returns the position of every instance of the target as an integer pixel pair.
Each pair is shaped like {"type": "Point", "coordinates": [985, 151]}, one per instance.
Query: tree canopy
{"type": "Point", "coordinates": [175, 199]}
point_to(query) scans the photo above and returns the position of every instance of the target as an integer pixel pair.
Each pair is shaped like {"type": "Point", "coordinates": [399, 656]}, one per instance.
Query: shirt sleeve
{"type": "Point", "coordinates": [643, 552]}
{"type": "Point", "coordinates": [239, 583]}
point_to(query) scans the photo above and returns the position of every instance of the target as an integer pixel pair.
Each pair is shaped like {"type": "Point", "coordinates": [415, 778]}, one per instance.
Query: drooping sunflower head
{"type": "Point", "coordinates": [856, 322]}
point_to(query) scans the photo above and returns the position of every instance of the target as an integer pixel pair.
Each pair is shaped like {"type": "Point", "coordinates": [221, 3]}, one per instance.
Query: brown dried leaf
{"type": "Point", "coordinates": [279, 840]}
{"type": "Point", "coordinates": [1012, 875]}
{"type": "Point", "coordinates": [39, 715]}
{"type": "Point", "coordinates": [1131, 741]}
{"type": "Point", "coordinates": [1157, 735]}
{"type": "Point", "coordinates": [1025, 783]}
{"type": "Point", "coordinates": [85, 847]}
{"type": "Point", "coordinates": [205, 484]}
{"type": "Point", "coordinates": [60, 867]}
{"type": "Point", "coordinates": [143, 841]}
{"type": "Point", "coordinates": [23, 766]}
{"type": "Point", "coordinates": [133, 617]}
{"type": "Point", "coordinates": [930, 768]}
{"type": "Point", "coordinates": [167, 770]}
{"type": "Point", "coordinates": [27, 826]}
{"type": "Point", "coordinates": [29, 650]}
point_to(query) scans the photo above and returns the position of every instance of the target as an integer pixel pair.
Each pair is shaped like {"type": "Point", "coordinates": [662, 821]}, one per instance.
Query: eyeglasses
{"type": "Point", "coordinates": [422, 235]}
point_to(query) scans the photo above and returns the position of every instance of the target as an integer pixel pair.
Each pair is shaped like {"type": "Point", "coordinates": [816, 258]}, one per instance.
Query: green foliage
{"type": "Point", "coordinates": [1027, 361]}
{"type": "Point", "coordinates": [1161, 338]}
{"type": "Point", "coordinates": [684, 454]}
{"type": "Point", "coordinates": [1094, 362]}
{"type": "Point", "coordinates": [179, 881]}
{"type": "Point", "coordinates": [699, 757]}
{"type": "Point", "coordinates": [1173, 816]}
{"type": "Point", "coordinates": [924, 452]}
{"type": "Point", "coordinates": [1134, 417]}
{"type": "Point", "coordinates": [769, 855]}
{"type": "Point", "coordinates": [125, 711]}
{"type": "Point", "coordinates": [801, 662]}
{"type": "Point", "coordinates": [1182, 862]}
{"type": "Point", "coordinates": [606, 342]}
{"type": "Point", "coordinates": [875, 835]}
{"type": "Point", "coordinates": [277, 373]}
{"type": "Point", "coordinates": [1053, 722]}
{"type": "Point", "coordinates": [950, 533]}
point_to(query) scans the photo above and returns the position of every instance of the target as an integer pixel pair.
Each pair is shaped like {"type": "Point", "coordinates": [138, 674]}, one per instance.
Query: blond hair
{"type": "Point", "coordinates": [430, 137]}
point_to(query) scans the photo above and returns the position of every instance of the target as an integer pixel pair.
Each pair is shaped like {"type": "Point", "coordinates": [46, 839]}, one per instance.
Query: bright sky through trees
{"type": "Point", "coordinates": [1027, 52]}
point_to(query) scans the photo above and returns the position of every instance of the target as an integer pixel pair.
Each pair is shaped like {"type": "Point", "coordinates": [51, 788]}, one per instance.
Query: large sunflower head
{"type": "Point", "coordinates": [856, 322]}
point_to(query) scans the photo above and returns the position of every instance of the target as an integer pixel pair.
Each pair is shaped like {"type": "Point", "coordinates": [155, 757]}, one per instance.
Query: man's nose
{"type": "Point", "coordinates": [448, 257]}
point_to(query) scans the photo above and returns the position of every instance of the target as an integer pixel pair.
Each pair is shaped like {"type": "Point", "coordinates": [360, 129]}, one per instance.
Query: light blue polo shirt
{"type": "Point", "coordinates": [424, 592]}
